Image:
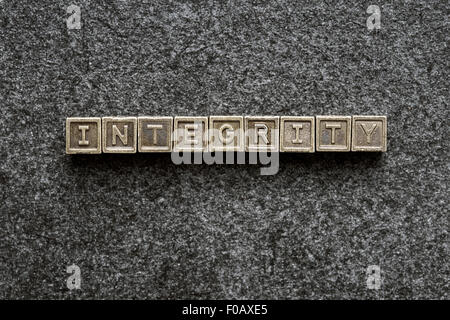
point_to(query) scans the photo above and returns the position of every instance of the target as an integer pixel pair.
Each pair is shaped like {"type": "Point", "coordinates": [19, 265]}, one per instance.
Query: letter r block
{"type": "Point", "coordinates": [369, 133]}
{"type": "Point", "coordinates": [262, 133]}
{"type": "Point", "coordinates": [333, 133]}
{"type": "Point", "coordinates": [83, 136]}
{"type": "Point", "coordinates": [226, 133]}
{"type": "Point", "coordinates": [119, 134]}
{"type": "Point", "coordinates": [155, 134]}
{"type": "Point", "coordinates": [190, 134]}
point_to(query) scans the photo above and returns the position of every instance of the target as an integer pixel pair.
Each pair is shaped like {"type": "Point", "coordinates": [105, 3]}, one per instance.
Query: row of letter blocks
{"type": "Point", "coordinates": [226, 133]}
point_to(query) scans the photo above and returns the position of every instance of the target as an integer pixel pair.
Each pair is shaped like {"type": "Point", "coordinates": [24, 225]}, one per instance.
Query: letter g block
{"type": "Point", "coordinates": [226, 133]}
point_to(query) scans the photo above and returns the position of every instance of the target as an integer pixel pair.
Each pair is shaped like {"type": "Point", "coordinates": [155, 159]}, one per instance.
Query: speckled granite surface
{"type": "Point", "coordinates": [141, 227]}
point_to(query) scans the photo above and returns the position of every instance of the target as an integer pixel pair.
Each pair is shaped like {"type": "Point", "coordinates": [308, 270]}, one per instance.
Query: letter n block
{"type": "Point", "coordinates": [155, 134]}
{"type": "Point", "coordinates": [333, 133]}
{"type": "Point", "coordinates": [119, 134]}
{"type": "Point", "coordinates": [83, 136]}
{"type": "Point", "coordinates": [369, 133]}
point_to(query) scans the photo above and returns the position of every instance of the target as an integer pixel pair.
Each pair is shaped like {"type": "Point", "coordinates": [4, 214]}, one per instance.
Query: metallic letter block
{"type": "Point", "coordinates": [226, 133]}
{"type": "Point", "coordinates": [369, 133]}
{"type": "Point", "coordinates": [297, 134]}
{"type": "Point", "coordinates": [119, 134]}
{"type": "Point", "coordinates": [155, 134]}
{"type": "Point", "coordinates": [190, 134]}
{"type": "Point", "coordinates": [83, 136]}
{"type": "Point", "coordinates": [262, 133]}
{"type": "Point", "coordinates": [333, 133]}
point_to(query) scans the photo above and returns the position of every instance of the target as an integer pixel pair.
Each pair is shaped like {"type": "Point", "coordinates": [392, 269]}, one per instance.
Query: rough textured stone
{"type": "Point", "coordinates": [141, 227]}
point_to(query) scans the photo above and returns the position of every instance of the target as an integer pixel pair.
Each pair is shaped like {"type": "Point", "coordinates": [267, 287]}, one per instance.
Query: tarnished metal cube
{"type": "Point", "coordinates": [369, 133]}
{"type": "Point", "coordinates": [333, 133]}
{"type": "Point", "coordinates": [297, 134]}
{"type": "Point", "coordinates": [83, 136]}
{"type": "Point", "coordinates": [155, 134]}
{"type": "Point", "coordinates": [119, 134]}
{"type": "Point", "coordinates": [190, 134]}
{"type": "Point", "coordinates": [226, 133]}
{"type": "Point", "coordinates": [262, 133]}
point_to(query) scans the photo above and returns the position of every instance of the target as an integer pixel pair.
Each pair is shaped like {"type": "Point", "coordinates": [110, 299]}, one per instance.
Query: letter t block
{"type": "Point", "coordinates": [155, 134]}
{"type": "Point", "coordinates": [333, 133]}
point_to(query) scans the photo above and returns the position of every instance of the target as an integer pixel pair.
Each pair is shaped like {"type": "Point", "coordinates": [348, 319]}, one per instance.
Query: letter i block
{"type": "Point", "coordinates": [262, 133]}
{"type": "Point", "coordinates": [155, 134]}
{"type": "Point", "coordinates": [83, 136]}
{"type": "Point", "coordinates": [333, 133]}
{"type": "Point", "coordinates": [369, 133]}
{"type": "Point", "coordinates": [297, 134]}
{"type": "Point", "coordinates": [119, 134]}
{"type": "Point", "coordinates": [190, 134]}
{"type": "Point", "coordinates": [226, 133]}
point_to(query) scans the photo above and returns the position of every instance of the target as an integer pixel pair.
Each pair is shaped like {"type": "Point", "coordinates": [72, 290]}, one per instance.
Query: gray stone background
{"type": "Point", "coordinates": [139, 226]}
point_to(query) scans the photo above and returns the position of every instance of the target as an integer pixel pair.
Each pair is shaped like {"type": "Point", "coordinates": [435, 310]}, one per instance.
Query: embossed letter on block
{"type": "Point", "coordinates": [297, 134]}
{"type": "Point", "coordinates": [226, 133]}
{"type": "Point", "coordinates": [369, 133]}
{"type": "Point", "coordinates": [155, 134]}
{"type": "Point", "coordinates": [83, 136]}
{"type": "Point", "coordinates": [190, 134]}
{"type": "Point", "coordinates": [119, 134]}
{"type": "Point", "coordinates": [333, 133]}
{"type": "Point", "coordinates": [262, 133]}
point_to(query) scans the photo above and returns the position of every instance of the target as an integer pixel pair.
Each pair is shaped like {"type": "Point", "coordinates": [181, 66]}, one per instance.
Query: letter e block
{"type": "Point", "coordinates": [369, 133]}
{"type": "Point", "coordinates": [83, 136]}
{"type": "Point", "coordinates": [155, 134]}
{"type": "Point", "coordinates": [119, 134]}
{"type": "Point", "coordinates": [333, 133]}
{"type": "Point", "coordinates": [190, 134]}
